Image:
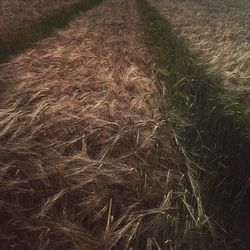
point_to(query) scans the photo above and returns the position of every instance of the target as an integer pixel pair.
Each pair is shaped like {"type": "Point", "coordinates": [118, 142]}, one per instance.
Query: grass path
{"type": "Point", "coordinates": [85, 153]}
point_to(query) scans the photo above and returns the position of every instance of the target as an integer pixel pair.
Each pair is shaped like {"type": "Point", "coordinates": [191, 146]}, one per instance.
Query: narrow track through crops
{"type": "Point", "coordinates": [211, 128]}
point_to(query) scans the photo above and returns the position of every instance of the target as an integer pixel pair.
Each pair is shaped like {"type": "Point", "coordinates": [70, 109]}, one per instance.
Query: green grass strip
{"type": "Point", "coordinates": [209, 125]}
{"type": "Point", "coordinates": [44, 27]}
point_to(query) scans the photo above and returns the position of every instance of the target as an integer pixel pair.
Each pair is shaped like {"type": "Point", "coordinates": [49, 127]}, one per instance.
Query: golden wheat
{"type": "Point", "coordinates": [85, 162]}
{"type": "Point", "coordinates": [217, 28]}
{"type": "Point", "coordinates": [17, 15]}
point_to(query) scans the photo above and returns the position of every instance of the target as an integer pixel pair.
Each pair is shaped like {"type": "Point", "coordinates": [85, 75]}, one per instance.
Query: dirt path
{"type": "Point", "coordinates": [85, 162]}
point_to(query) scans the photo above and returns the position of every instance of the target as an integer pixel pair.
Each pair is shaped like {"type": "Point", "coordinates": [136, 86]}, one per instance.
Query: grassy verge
{"type": "Point", "coordinates": [209, 125]}
{"type": "Point", "coordinates": [42, 28]}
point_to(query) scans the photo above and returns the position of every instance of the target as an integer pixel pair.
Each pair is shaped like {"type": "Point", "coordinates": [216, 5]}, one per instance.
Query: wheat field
{"type": "Point", "coordinates": [219, 29]}
{"type": "Point", "coordinates": [90, 153]}
{"type": "Point", "coordinates": [85, 154]}
{"type": "Point", "coordinates": [16, 16]}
